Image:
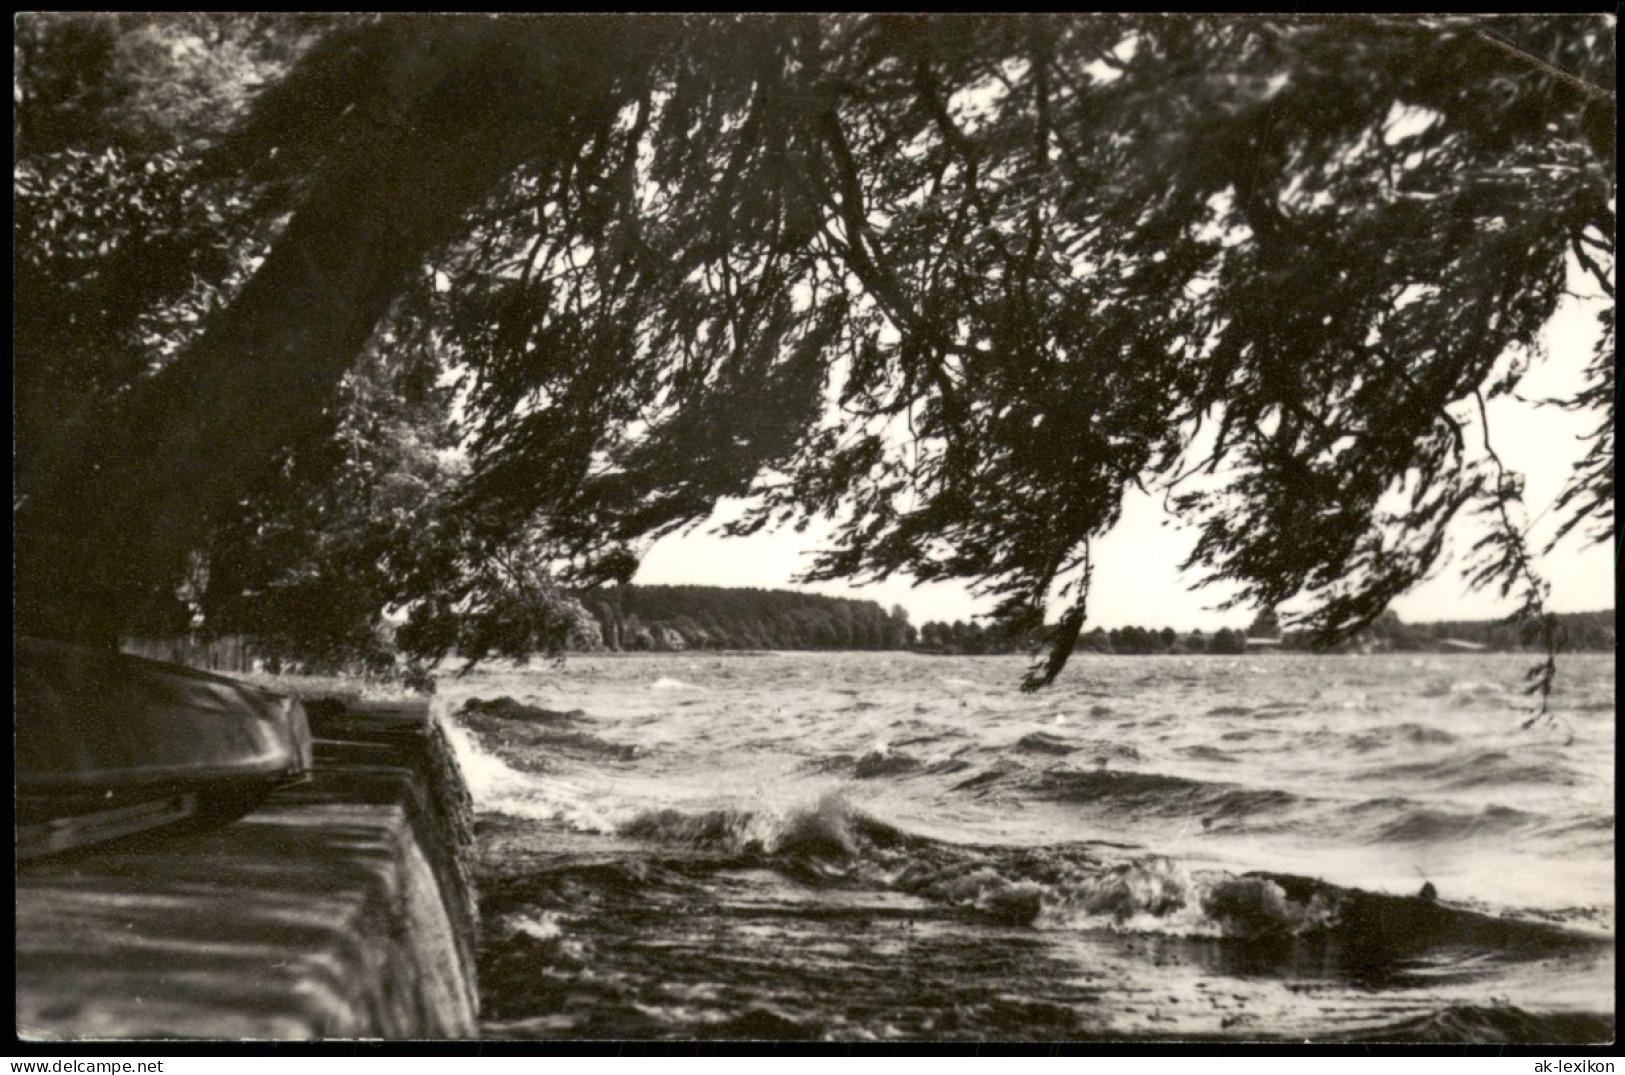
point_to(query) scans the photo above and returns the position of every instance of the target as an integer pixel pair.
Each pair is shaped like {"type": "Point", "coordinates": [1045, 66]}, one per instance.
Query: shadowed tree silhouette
{"type": "Point", "coordinates": [956, 282]}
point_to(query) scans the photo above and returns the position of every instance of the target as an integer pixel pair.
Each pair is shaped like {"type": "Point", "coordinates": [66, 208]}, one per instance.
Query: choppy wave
{"type": "Point", "coordinates": [1400, 735]}
{"type": "Point", "coordinates": [874, 765]}
{"type": "Point", "coordinates": [1480, 768]}
{"type": "Point", "coordinates": [702, 861]}
{"type": "Point", "coordinates": [1073, 887]}
{"type": "Point", "coordinates": [830, 841]}
{"type": "Point", "coordinates": [1044, 743]}
{"type": "Point", "coordinates": [536, 791]}
{"type": "Point", "coordinates": [507, 708]}
{"type": "Point", "coordinates": [1496, 1024]}
{"type": "Point", "coordinates": [1157, 794]}
{"type": "Point", "coordinates": [829, 827]}
{"type": "Point", "coordinates": [1426, 825]}
{"type": "Point", "coordinates": [1371, 940]}
{"type": "Point", "coordinates": [528, 736]}
{"type": "Point", "coordinates": [1206, 752]}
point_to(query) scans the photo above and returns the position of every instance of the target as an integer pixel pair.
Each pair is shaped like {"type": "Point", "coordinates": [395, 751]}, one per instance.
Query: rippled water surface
{"type": "Point", "coordinates": [859, 846]}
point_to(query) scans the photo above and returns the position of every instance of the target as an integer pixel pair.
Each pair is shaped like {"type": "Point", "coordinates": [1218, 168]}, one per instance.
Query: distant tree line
{"type": "Point", "coordinates": [1577, 632]}
{"type": "Point", "coordinates": [630, 618]}
{"type": "Point", "coordinates": [974, 638]}
{"type": "Point", "coordinates": [633, 618]}
{"type": "Point", "coordinates": [712, 617]}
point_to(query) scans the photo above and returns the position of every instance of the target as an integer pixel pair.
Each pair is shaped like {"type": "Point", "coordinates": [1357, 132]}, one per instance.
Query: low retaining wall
{"type": "Point", "coordinates": [341, 907]}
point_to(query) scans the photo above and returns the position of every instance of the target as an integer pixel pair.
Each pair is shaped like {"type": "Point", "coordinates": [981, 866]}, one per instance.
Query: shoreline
{"type": "Point", "coordinates": [344, 908]}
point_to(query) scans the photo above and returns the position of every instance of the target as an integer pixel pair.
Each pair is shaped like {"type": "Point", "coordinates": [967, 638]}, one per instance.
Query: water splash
{"type": "Point", "coordinates": [498, 787]}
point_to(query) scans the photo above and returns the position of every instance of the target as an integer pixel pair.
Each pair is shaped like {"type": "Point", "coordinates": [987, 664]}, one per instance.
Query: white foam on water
{"type": "Point", "coordinates": [1168, 897]}
{"type": "Point", "coordinates": [737, 764]}
{"type": "Point", "coordinates": [708, 748]}
{"type": "Point", "coordinates": [497, 787]}
{"type": "Point", "coordinates": [543, 925]}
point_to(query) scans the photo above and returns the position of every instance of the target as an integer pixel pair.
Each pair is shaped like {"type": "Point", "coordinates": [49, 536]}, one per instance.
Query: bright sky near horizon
{"type": "Point", "coordinates": [1137, 579]}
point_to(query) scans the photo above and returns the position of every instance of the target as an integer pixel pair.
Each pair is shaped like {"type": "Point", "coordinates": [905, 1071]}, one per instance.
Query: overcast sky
{"type": "Point", "coordinates": [1137, 581]}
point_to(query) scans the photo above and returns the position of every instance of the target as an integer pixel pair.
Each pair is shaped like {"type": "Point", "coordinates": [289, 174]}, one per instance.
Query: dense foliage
{"type": "Point", "coordinates": [715, 617]}
{"type": "Point", "coordinates": [125, 252]}
{"type": "Point", "coordinates": [957, 283]}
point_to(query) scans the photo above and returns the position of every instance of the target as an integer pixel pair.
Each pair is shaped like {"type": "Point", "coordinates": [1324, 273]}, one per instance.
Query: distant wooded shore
{"type": "Point", "coordinates": [632, 619]}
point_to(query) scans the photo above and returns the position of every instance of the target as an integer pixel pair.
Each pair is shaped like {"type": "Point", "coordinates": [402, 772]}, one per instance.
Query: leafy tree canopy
{"type": "Point", "coordinates": [956, 282]}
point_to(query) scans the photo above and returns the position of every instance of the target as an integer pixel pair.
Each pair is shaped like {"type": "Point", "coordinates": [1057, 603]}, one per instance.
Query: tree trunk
{"type": "Point", "coordinates": [123, 499]}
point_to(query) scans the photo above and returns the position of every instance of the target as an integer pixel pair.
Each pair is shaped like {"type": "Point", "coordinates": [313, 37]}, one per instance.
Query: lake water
{"type": "Point", "coordinates": [892, 846]}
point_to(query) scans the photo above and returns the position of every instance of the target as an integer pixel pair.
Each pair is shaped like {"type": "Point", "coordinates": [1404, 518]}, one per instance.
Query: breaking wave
{"type": "Point", "coordinates": [521, 791]}
{"type": "Point", "coordinates": [830, 842]}
{"type": "Point", "coordinates": [530, 737]}
{"type": "Point", "coordinates": [703, 861]}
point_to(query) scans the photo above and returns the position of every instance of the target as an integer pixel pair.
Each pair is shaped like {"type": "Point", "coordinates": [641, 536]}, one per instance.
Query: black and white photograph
{"type": "Point", "coordinates": [814, 528]}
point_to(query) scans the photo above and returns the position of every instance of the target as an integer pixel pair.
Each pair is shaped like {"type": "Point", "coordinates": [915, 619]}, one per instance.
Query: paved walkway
{"type": "Point", "coordinates": [338, 908]}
